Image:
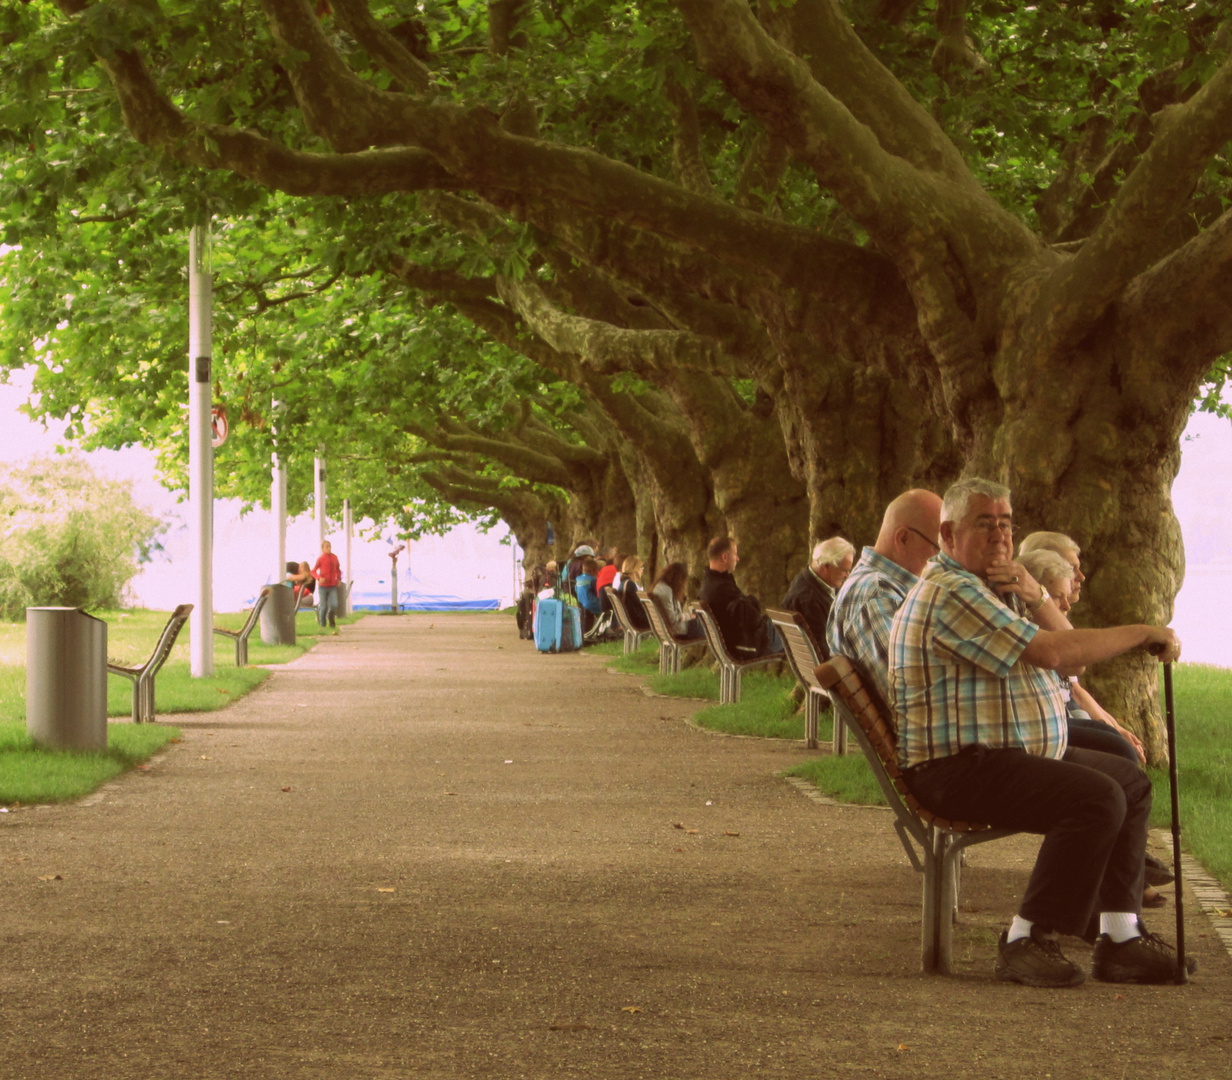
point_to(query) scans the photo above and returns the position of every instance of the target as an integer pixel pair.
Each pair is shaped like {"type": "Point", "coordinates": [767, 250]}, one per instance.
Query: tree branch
{"type": "Point", "coordinates": [1128, 240]}
{"type": "Point", "coordinates": [355, 17]}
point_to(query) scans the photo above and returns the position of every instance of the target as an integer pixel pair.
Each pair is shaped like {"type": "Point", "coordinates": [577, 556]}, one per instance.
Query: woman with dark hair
{"type": "Point", "coordinates": [668, 589]}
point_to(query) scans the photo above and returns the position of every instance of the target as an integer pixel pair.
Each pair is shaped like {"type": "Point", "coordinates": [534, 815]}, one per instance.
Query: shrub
{"type": "Point", "coordinates": [68, 536]}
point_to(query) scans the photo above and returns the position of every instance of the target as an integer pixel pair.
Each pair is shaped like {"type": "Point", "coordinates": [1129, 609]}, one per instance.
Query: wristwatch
{"type": "Point", "coordinates": [1044, 598]}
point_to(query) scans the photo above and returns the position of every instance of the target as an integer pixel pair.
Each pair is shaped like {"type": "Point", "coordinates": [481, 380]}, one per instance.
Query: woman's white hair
{"type": "Point", "coordinates": [1048, 541]}
{"type": "Point", "coordinates": [1047, 567]}
{"type": "Point", "coordinates": [958, 497]}
{"type": "Point", "coordinates": [832, 552]}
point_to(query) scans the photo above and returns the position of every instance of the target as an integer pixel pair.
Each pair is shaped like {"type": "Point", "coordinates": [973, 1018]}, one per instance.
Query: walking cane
{"type": "Point", "coordinates": [1170, 726]}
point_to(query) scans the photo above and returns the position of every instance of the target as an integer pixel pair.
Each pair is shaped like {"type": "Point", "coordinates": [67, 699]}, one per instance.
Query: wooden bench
{"type": "Point", "coordinates": [941, 842]}
{"type": "Point", "coordinates": [240, 636]}
{"type": "Point", "coordinates": [803, 656]}
{"type": "Point", "coordinates": [633, 636]}
{"type": "Point", "coordinates": [731, 670]}
{"type": "Point", "coordinates": [669, 644]}
{"type": "Point", "coordinates": [142, 675]}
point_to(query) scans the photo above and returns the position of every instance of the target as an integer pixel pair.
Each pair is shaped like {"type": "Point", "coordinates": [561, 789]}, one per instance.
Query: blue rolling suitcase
{"type": "Point", "coordinates": [557, 627]}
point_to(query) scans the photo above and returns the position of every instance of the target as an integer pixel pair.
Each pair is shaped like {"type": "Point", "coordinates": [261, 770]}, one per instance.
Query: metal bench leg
{"type": "Point", "coordinates": [136, 701]}
{"type": "Point", "coordinates": [839, 744]}
{"type": "Point", "coordinates": [930, 928]}
{"type": "Point", "coordinates": [812, 707]}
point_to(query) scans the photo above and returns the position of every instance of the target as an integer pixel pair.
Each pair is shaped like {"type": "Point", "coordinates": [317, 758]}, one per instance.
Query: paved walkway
{"type": "Point", "coordinates": [424, 850]}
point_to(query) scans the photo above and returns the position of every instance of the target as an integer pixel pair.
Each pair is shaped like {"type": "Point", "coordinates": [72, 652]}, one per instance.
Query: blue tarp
{"type": "Point", "coordinates": [376, 600]}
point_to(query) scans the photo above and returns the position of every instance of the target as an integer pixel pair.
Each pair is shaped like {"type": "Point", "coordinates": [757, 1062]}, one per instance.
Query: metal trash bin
{"type": "Point", "coordinates": [66, 678]}
{"type": "Point", "coordinates": [278, 617]}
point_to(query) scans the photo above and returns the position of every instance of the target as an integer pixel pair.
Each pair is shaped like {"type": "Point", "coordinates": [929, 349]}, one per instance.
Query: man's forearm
{"type": "Point", "coordinates": [1067, 650]}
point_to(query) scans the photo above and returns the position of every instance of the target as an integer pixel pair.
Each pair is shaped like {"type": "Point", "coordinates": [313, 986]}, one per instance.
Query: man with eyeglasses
{"type": "Point", "coordinates": [859, 623]}
{"type": "Point", "coordinates": [982, 737]}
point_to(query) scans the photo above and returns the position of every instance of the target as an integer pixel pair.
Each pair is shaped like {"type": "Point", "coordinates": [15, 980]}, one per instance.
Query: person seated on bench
{"type": "Point", "coordinates": [859, 623]}
{"type": "Point", "coordinates": [746, 630]}
{"type": "Point", "coordinates": [669, 589]}
{"type": "Point", "coordinates": [587, 597]}
{"type": "Point", "coordinates": [1090, 726]}
{"type": "Point", "coordinates": [811, 592]}
{"type": "Point", "coordinates": [630, 586]}
{"type": "Point", "coordinates": [609, 573]}
{"type": "Point", "coordinates": [982, 737]}
{"type": "Point", "coordinates": [301, 574]}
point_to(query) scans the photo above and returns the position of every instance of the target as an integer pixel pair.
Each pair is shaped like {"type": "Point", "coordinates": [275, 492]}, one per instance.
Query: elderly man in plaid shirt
{"type": "Point", "coordinates": [859, 623]}
{"type": "Point", "coordinates": [982, 737]}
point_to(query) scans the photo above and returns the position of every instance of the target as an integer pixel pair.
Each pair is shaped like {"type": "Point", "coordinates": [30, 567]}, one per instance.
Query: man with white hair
{"type": "Point", "coordinates": [812, 591]}
{"type": "Point", "coordinates": [859, 624]}
{"type": "Point", "coordinates": [982, 737]}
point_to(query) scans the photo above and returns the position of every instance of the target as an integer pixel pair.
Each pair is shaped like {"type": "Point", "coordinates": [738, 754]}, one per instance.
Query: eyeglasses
{"type": "Point", "coordinates": [931, 543]}
{"type": "Point", "coordinates": [987, 526]}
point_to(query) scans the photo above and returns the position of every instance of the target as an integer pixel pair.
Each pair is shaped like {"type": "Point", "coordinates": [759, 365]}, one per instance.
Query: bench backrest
{"type": "Point", "coordinates": [622, 613]}
{"type": "Point", "coordinates": [166, 640]}
{"type": "Point", "coordinates": [799, 645]}
{"type": "Point", "coordinates": [855, 695]}
{"type": "Point", "coordinates": [714, 639]}
{"type": "Point", "coordinates": [255, 613]}
{"type": "Point", "coordinates": [656, 618]}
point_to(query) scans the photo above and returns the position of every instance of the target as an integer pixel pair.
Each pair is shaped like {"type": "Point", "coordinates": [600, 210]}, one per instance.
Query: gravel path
{"type": "Point", "coordinates": [423, 850]}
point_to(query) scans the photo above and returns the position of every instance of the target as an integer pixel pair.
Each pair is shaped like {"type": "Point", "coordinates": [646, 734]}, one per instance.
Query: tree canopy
{"type": "Point", "coordinates": [650, 271]}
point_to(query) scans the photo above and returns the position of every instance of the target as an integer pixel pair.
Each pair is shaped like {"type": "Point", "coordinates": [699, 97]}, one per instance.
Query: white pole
{"type": "Point", "coordinates": [200, 452]}
{"type": "Point", "coordinates": [318, 492]}
{"type": "Point", "coordinates": [278, 504]}
{"type": "Point", "coordinates": [348, 529]}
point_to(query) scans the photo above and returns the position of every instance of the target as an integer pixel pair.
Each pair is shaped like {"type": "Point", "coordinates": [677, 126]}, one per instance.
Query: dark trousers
{"type": "Point", "coordinates": [1095, 735]}
{"type": "Point", "coordinates": [1091, 809]}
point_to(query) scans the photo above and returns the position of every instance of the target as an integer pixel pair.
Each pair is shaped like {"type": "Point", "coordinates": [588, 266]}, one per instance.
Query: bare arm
{"type": "Point", "coordinates": [1067, 650]}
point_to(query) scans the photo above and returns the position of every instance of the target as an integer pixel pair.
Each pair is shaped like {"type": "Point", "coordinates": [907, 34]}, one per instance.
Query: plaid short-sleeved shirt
{"type": "Point", "coordinates": [955, 675]}
{"type": "Point", "coordinates": [859, 623]}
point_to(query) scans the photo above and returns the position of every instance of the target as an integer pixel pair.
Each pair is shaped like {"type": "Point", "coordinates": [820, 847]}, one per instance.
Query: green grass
{"type": "Point", "coordinates": [31, 775]}
{"type": "Point", "coordinates": [1204, 767]}
{"type": "Point", "coordinates": [28, 774]}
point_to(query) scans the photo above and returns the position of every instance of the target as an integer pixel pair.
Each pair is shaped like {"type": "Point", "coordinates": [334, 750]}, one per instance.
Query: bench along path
{"type": "Point", "coordinates": [424, 850]}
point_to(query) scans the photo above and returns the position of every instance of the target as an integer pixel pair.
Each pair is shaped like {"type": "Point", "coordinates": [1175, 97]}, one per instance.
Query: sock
{"type": "Point", "coordinates": [1019, 928]}
{"type": "Point", "coordinates": [1120, 926]}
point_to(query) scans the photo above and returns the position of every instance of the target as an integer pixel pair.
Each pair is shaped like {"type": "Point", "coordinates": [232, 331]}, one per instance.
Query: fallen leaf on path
{"type": "Point", "coordinates": [731, 834]}
{"type": "Point", "coordinates": [50, 877]}
{"type": "Point", "coordinates": [206, 757]}
{"type": "Point", "coordinates": [451, 793]}
{"type": "Point", "coordinates": [285, 789]}
{"type": "Point", "coordinates": [677, 825]}
{"type": "Point", "coordinates": [902, 1047]}
{"type": "Point", "coordinates": [379, 889]}
{"type": "Point", "coordinates": [630, 1008]}
{"type": "Point", "coordinates": [222, 689]}
{"type": "Point", "coordinates": [143, 768]}
{"type": "Point", "coordinates": [691, 832]}
{"type": "Point", "coordinates": [1223, 912]}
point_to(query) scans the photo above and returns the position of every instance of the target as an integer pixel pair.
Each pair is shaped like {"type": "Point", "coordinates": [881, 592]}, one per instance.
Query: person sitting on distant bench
{"type": "Point", "coordinates": [300, 574]}
{"type": "Point", "coordinates": [811, 593]}
{"type": "Point", "coordinates": [587, 597]}
{"type": "Point", "coordinates": [630, 586]}
{"type": "Point", "coordinates": [669, 589]}
{"type": "Point", "coordinates": [746, 629]}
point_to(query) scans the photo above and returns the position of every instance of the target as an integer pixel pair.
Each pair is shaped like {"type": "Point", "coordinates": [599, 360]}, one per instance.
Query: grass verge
{"type": "Point", "coordinates": [31, 775]}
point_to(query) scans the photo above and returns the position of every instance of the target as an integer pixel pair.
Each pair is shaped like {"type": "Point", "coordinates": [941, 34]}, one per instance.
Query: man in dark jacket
{"type": "Point", "coordinates": [745, 629]}
{"type": "Point", "coordinates": [812, 591]}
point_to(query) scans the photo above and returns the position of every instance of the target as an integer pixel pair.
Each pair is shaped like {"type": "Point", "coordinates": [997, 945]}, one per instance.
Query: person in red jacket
{"type": "Point", "coordinates": [328, 573]}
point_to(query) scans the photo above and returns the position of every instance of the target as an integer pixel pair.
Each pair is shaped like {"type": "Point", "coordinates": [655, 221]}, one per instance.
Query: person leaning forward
{"type": "Point", "coordinates": [982, 737]}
